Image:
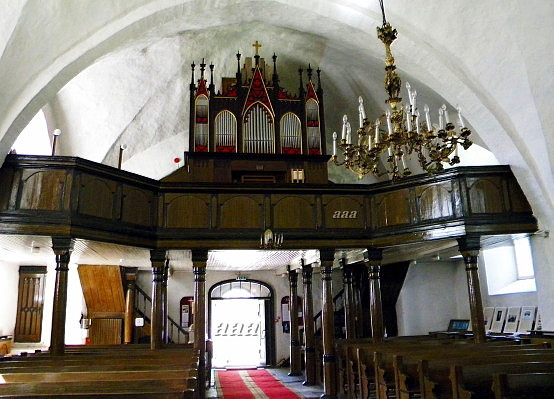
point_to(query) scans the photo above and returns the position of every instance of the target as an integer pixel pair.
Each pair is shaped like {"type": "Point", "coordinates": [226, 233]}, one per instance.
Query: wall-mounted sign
{"type": "Point", "coordinates": [345, 215]}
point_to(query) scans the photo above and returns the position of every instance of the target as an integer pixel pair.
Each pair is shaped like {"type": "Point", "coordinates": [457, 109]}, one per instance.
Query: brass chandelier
{"type": "Point", "coordinates": [405, 134]}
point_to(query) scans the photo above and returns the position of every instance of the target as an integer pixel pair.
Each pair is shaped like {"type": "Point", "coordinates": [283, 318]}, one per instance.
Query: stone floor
{"type": "Point", "coordinates": [293, 383]}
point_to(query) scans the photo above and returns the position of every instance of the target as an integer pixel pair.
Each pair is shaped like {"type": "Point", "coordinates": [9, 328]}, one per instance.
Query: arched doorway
{"type": "Point", "coordinates": [241, 315]}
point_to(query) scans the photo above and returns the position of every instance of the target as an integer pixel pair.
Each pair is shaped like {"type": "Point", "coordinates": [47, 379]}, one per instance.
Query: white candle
{"type": "Point", "coordinates": [361, 110]}
{"type": "Point", "coordinates": [344, 120]}
{"type": "Point", "coordinates": [334, 143]}
{"type": "Point", "coordinates": [445, 111]}
{"type": "Point", "coordinates": [427, 118]}
{"type": "Point", "coordinates": [377, 123]}
{"type": "Point", "coordinates": [441, 112]}
{"type": "Point", "coordinates": [414, 95]}
{"type": "Point", "coordinates": [417, 121]}
{"type": "Point", "coordinates": [348, 133]}
{"type": "Point", "coordinates": [462, 125]}
{"type": "Point", "coordinates": [389, 126]}
{"type": "Point", "coordinates": [409, 88]}
{"type": "Point", "coordinates": [408, 118]}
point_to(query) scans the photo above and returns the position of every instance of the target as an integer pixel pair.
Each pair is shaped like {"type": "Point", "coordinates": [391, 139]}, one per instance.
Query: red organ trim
{"type": "Point", "coordinates": [202, 88]}
{"type": "Point", "coordinates": [257, 92]}
{"type": "Point", "coordinates": [313, 123]}
{"type": "Point", "coordinates": [201, 148]}
{"type": "Point", "coordinates": [221, 148]}
{"type": "Point", "coordinates": [287, 150]}
{"type": "Point", "coordinates": [314, 151]}
{"type": "Point", "coordinates": [311, 92]}
{"type": "Point", "coordinates": [201, 120]}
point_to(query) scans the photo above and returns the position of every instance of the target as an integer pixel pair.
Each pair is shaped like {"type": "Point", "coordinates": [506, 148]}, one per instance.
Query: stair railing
{"type": "Point", "coordinates": [143, 306]}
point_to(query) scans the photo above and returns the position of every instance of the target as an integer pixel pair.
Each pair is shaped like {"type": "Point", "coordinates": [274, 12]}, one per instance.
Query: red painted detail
{"type": "Point", "coordinates": [177, 160]}
{"type": "Point", "coordinates": [313, 123]}
{"type": "Point", "coordinates": [201, 148]}
{"type": "Point", "coordinates": [314, 151]}
{"type": "Point", "coordinates": [226, 148]}
{"type": "Point", "coordinates": [202, 87]}
{"type": "Point", "coordinates": [311, 92]}
{"type": "Point", "coordinates": [202, 120]}
{"type": "Point", "coordinates": [289, 150]}
{"type": "Point", "coordinates": [257, 92]}
{"type": "Point", "coordinates": [232, 92]}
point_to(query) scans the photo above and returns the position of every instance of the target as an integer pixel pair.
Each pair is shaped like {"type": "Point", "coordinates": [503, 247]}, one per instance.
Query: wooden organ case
{"type": "Point", "coordinates": [251, 130]}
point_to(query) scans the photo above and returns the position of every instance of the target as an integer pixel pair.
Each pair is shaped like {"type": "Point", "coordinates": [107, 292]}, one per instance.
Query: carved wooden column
{"type": "Point", "coordinates": [373, 262]}
{"type": "Point", "coordinates": [129, 320]}
{"type": "Point", "coordinates": [62, 247]}
{"type": "Point", "coordinates": [164, 302]}
{"type": "Point", "coordinates": [157, 257]}
{"type": "Point", "coordinates": [349, 304]}
{"type": "Point", "coordinates": [469, 248]}
{"type": "Point", "coordinates": [199, 261]}
{"type": "Point", "coordinates": [327, 257]}
{"type": "Point", "coordinates": [309, 333]}
{"type": "Point", "coordinates": [295, 352]}
{"type": "Point", "coordinates": [357, 277]}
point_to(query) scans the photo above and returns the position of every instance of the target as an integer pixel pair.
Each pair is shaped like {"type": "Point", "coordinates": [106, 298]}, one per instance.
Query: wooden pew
{"type": "Point", "coordinates": [436, 375]}
{"type": "Point", "coordinates": [520, 386]}
{"type": "Point", "coordinates": [406, 365]}
{"type": "Point", "coordinates": [475, 380]}
{"type": "Point", "coordinates": [105, 373]}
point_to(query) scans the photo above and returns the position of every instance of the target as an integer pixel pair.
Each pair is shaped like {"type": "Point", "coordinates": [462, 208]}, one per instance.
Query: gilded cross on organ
{"type": "Point", "coordinates": [257, 46]}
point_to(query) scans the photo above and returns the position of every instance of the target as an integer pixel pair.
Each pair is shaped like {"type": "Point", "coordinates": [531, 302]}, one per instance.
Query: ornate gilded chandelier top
{"type": "Point", "coordinates": [405, 132]}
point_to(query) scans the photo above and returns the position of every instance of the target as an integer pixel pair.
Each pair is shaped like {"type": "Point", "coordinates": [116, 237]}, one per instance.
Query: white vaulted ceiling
{"type": "Point", "coordinates": [117, 72]}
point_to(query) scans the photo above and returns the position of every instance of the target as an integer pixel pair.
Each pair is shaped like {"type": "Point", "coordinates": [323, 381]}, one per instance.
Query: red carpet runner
{"type": "Point", "coordinates": [251, 384]}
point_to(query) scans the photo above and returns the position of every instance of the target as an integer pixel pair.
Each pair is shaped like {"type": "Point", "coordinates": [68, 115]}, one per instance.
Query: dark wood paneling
{"type": "Point", "coordinates": [187, 211]}
{"type": "Point", "coordinates": [43, 190]}
{"type": "Point", "coordinates": [518, 201]}
{"type": "Point", "coordinates": [108, 204]}
{"type": "Point", "coordinates": [342, 212]}
{"type": "Point", "coordinates": [6, 179]}
{"type": "Point", "coordinates": [97, 197]}
{"type": "Point", "coordinates": [137, 206]}
{"type": "Point", "coordinates": [434, 201]}
{"type": "Point", "coordinates": [485, 195]}
{"type": "Point", "coordinates": [391, 209]}
{"type": "Point", "coordinates": [293, 212]}
{"type": "Point", "coordinates": [241, 212]}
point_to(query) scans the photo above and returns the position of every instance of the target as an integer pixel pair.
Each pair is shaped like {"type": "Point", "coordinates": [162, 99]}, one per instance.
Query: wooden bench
{"type": "Point", "coordinates": [436, 375]}
{"type": "Point", "coordinates": [475, 380]}
{"type": "Point", "coordinates": [522, 386]}
{"type": "Point", "coordinates": [103, 373]}
{"type": "Point", "coordinates": [406, 365]}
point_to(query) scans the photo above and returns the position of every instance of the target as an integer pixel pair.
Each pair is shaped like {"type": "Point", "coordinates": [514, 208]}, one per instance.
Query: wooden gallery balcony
{"type": "Point", "coordinates": [67, 196]}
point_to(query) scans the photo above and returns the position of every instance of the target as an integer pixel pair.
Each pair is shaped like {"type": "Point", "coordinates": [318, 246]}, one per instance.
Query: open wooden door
{"type": "Point", "coordinates": [30, 304]}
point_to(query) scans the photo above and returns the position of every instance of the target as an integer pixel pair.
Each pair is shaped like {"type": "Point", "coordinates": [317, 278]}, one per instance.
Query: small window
{"type": "Point", "coordinates": [509, 266]}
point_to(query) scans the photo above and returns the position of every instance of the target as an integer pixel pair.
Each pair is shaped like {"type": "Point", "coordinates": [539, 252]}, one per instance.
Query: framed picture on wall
{"type": "Point", "coordinates": [498, 319]}
{"type": "Point", "coordinates": [487, 315]}
{"type": "Point", "coordinates": [526, 319]}
{"type": "Point", "coordinates": [512, 319]}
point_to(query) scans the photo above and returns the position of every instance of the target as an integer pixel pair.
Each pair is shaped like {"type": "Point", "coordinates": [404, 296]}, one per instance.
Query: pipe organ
{"type": "Point", "coordinates": [254, 126]}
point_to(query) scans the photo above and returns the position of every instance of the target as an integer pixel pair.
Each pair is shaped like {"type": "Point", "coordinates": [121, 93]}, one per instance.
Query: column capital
{"type": "Point", "coordinates": [373, 255]}
{"type": "Point", "coordinates": [326, 257]}
{"type": "Point", "coordinates": [157, 257]}
{"type": "Point", "coordinates": [199, 257]}
{"type": "Point", "coordinates": [63, 246]}
{"type": "Point", "coordinates": [469, 244]}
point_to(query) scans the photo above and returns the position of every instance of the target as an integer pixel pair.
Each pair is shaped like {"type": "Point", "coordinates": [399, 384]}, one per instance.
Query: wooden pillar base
{"type": "Point", "coordinates": [469, 248]}
{"type": "Point", "coordinates": [62, 247]}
